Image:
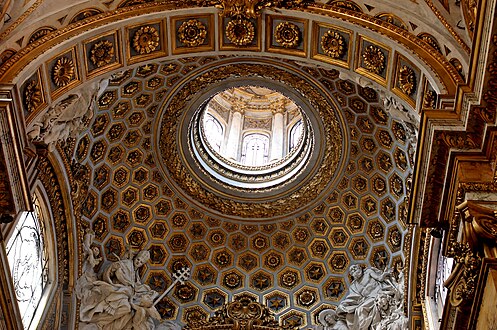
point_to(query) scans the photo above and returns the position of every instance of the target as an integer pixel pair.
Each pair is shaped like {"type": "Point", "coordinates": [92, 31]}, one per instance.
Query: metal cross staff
{"type": "Point", "coordinates": [181, 276]}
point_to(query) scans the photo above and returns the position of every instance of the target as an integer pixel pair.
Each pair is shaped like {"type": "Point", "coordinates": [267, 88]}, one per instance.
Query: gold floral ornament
{"type": "Point", "coordinates": [192, 33]}
{"type": "Point", "coordinates": [241, 32]}
{"type": "Point", "coordinates": [287, 35]}
{"type": "Point", "coordinates": [333, 44]}
{"type": "Point", "coordinates": [407, 80]}
{"type": "Point", "coordinates": [32, 96]}
{"type": "Point", "coordinates": [63, 72]}
{"type": "Point", "coordinates": [102, 53]}
{"type": "Point", "coordinates": [429, 100]}
{"type": "Point", "coordinates": [374, 60]}
{"type": "Point", "coordinates": [146, 39]}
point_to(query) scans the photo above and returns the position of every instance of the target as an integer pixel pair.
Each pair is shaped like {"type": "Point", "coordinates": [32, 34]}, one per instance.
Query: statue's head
{"type": "Point", "coordinates": [141, 258]}
{"type": "Point", "coordinates": [356, 271]}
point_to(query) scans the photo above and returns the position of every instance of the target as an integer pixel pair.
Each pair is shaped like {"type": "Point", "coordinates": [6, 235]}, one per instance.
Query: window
{"type": "Point", "coordinates": [213, 131]}
{"type": "Point", "coordinates": [28, 259]}
{"type": "Point", "coordinates": [255, 150]}
{"type": "Point", "coordinates": [295, 134]}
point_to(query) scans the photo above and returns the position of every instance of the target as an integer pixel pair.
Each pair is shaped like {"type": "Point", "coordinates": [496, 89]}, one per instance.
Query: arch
{"type": "Point", "coordinates": [255, 149]}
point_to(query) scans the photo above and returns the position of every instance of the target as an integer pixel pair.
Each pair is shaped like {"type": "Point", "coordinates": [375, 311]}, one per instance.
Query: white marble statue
{"type": "Point", "coordinates": [374, 302]}
{"type": "Point", "coordinates": [67, 118]}
{"type": "Point", "coordinates": [119, 300]}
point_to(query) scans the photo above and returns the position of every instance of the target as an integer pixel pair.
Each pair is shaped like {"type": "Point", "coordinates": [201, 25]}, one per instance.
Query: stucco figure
{"type": "Point", "coordinates": [119, 300]}
{"type": "Point", "coordinates": [374, 302]}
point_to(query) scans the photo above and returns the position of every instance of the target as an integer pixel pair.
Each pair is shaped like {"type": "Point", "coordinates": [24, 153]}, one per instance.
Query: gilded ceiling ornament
{"type": "Point", "coordinates": [241, 32]}
{"type": "Point", "coordinates": [102, 53]}
{"type": "Point", "coordinates": [250, 8]}
{"type": "Point", "coordinates": [333, 44]}
{"type": "Point", "coordinates": [63, 71]}
{"type": "Point", "coordinates": [146, 39]}
{"type": "Point", "coordinates": [32, 95]}
{"type": "Point", "coordinates": [192, 33]}
{"type": "Point", "coordinates": [407, 80]}
{"type": "Point", "coordinates": [429, 100]}
{"type": "Point", "coordinates": [374, 60]}
{"type": "Point", "coordinates": [287, 34]}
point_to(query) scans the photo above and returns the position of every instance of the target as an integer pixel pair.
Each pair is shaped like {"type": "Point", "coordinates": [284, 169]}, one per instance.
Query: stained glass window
{"type": "Point", "coordinates": [28, 259]}
{"type": "Point", "coordinates": [255, 150]}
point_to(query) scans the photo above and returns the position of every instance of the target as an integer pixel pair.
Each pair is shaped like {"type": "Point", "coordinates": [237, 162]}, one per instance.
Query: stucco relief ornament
{"type": "Point", "coordinates": [146, 39]}
{"type": "Point", "coordinates": [333, 44]}
{"type": "Point", "coordinates": [429, 100]}
{"type": "Point", "coordinates": [192, 33]}
{"type": "Point", "coordinates": [32, 95]}
{"type": "Point", "coordinates": [287, 35]}
{"type": "Point", "coordinates": [102, 53]}
{"type": "Point", "coordinates": [407, 80]}
{"type": "Point", "coordinates": [374, 60]}
{"type": "Point", "coordinates": [241, 32]}
{"type": "Point", "coordinates": [375, 301]}
{"type": "Point", "coordinates": [63, 72]}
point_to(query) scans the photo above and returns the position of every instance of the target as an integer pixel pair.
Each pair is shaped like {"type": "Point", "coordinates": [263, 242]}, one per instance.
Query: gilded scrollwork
{"type": "Point", "coordinates": [468, 263]}
{"type": "Point", "coordinates": [243, 313]}
{"type": "Point", "coordinates": [241, 32]}
{"type": "Point", "coordinates": [374, 60]}
{"type": "Point", "coordinates": [192, 33]}
{"type": "Point", "coordinates": [32, 95]}
{"type": "Point", "coordinates": [63, 72]}
{"type": "Point", "coordinates": [407, 80]}
{"type": "Point", "coordinates": [146, 40]}
{"type": "Point", "coordinates": [287, 35]}
{"type": "Point", "coordinates": [250, 8]}
{"type": "Point", "coordinates": [333, 44]}
{"type": "Point", "coordinates": [102, 53]}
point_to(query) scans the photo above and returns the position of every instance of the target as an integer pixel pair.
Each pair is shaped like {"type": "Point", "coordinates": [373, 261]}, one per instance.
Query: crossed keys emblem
{"type": "Point", "coordinates": [180, 276]}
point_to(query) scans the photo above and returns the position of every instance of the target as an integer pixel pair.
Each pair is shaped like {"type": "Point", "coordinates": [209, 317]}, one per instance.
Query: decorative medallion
{"type": "Point", "coordinates": [146, 40]}
{"type": "Point", "coordinates": [407, 80]}
{"type": "Point", "coordinates": [32, 96]}
{"type": "Point", "coordinates": [374, 60]}
{"type": "Point", "coordinates": [63, 72]}
{"type": "Point", "coordinates": [287, 35]}
{"type": "Point", "coordinates": [192, 33]}
{"type": "Point", "coordinates": [241, 32]}
{"type": "Point", "coordinates": [102, 53]}
{"type": "Point", "coordinates": [333, 44]}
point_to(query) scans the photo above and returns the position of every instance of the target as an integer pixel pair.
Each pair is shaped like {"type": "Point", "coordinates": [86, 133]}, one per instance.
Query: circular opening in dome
{"type": "Point", "coordinates": [252, 137]}
{"type": "Point", "coordinates": [252, 126]}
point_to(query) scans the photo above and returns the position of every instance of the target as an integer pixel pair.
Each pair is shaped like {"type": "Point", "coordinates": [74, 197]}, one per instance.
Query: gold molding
{"type": "Point", "coordinates": [211, 33]}
{"type": "Point", "coordinates": [361, 40]}
{"type": "Point", "coordinates": [270, 37]}
{"type": "Point", "coordinates": [55, 91]}
{"type": "Point", "coordinates": [87, 45]}
{"type": "Point", "coordinates": [316, 44]}
{"type": "Point", "coordinates": [397, 62]}
{"type": "Point", "coordinates": [128, 39]}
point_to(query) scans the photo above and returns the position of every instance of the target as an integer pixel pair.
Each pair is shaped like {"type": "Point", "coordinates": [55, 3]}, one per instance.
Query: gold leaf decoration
{"type": "Point", "coordinates": [63, 72]}
{"type": "Point", "coordinates": [241, 32]}
{"type": "Point", "coordinates": [102, 53]}
{"type": "Point", "coordinates": [32, 96]}
{"type": "Point", "coordinates": [429, 100]}
{"type": "Point", "coordinates": [374, 60]}
{"type": "Point", "coordinates": [146, 39]}
{"type": "Point", "coordinates": [333, 44]}
{"type": "Point", "coordinates": [407, 80]}
{"type": "Point", "coordinates": [287, 35]}
{"type": "Point", "coordinates": [192, 33]}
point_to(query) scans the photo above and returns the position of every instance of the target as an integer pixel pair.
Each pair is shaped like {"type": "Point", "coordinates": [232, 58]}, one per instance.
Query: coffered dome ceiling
{"type": "Point", "coordinates": [360, 75]}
